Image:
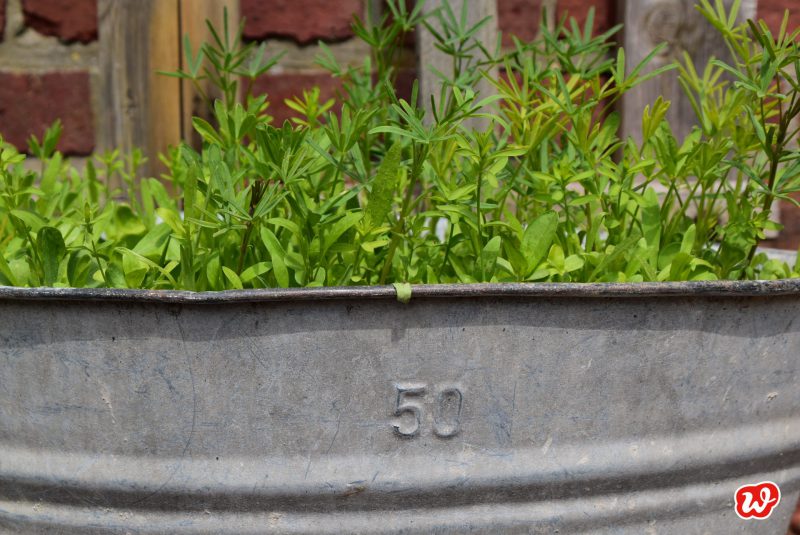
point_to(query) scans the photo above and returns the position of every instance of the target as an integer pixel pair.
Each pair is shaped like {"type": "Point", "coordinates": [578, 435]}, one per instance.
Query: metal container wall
{"type": "Point", "coordinates": [487, 408]}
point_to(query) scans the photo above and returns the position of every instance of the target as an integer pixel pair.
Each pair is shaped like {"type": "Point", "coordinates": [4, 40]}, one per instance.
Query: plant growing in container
{"type": "Point", "coordinates": [668, 373]}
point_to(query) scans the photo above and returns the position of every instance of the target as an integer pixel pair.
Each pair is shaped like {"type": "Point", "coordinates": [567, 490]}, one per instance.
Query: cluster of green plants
{"type": "Point", "coordinates": [533, 183]}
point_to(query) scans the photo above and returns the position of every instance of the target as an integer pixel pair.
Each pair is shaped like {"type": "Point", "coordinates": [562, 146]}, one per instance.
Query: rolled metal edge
{"type": "Point", "coordinates": [510, 290]}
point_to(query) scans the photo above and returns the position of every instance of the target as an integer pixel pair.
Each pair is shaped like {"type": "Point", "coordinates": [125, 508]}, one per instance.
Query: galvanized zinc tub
{"type": "Point", "coordinates": [481, 408]}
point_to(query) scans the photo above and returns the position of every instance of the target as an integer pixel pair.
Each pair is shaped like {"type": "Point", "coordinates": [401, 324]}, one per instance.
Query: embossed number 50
{"type": "Point", "coordinates": [447, 417]}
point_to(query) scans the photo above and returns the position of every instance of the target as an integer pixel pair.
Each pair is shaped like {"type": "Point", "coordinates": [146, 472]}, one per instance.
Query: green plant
{"type": "Point", "coordinates": [381, 191]}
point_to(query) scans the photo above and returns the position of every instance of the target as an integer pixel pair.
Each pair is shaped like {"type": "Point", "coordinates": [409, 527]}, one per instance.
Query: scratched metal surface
{"type": "Point", "coordinates": [594, 409]}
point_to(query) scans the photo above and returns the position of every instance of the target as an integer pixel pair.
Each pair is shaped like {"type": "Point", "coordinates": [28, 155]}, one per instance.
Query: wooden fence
{"type": "Point", "coordinates": [138, 38]}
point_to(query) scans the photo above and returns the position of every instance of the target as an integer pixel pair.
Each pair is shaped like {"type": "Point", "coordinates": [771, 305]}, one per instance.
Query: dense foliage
{"type": "Point", "coordinates": [531, 184]}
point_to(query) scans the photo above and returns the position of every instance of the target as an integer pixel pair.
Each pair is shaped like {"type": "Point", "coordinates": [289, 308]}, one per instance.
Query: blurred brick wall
{"type": "Point", "coordinates": [521, 17]}
{"type": "Point", "coordinates": [68, 20]}
{"type": "Point", "coordinates": [304, 22]}
{"type": "Point", "coordinates": [297, 26]}
{"type": "Point", "coordinates": [48, 49]}
{"type": "Point", "coordinates": [772, 12]}
{"type": "Point", "coordinates": [48, 56]}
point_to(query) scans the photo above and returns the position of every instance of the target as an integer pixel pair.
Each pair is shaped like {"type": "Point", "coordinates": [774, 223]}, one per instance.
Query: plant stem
{"type": "Point", "coordinates": [243, 248]}
{"type": "Point", "coordinates": [416, 170]}
{"type": "Point", "coordinates": [766, 207]}
{"type": "Point", "coordinates": [99, 264]}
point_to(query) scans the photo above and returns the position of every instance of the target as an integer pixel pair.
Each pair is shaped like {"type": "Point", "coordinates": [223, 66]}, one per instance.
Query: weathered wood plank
{"type": "Point", "coordinates": [141, 108]}
{"type": "Point", "coordinates": [678, 23]}
{"type": "Point", "coordinates": [164, 103]}
{"type": "Point", "coordinates": [193, 16]}
{"type": "Point", "coordinates": [549, 13]}
{"type": "Point", "coordinates": [432, 58]}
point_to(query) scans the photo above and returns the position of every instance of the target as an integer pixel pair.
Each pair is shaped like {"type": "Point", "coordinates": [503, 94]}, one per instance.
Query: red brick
{"type": "Point", "coordinates": [772, 12]}
{"type": "Point", "coordinates": [29, 103]}
{"type": "Point", "coordinates": [304, 21]}
{"type": "Point", "coordinates": [519, 18]}
{"type": "Point", "coordinates": [69, 20]}
{"type": "Point", "coordinates": [2, 18]}
{"type": "Point", "coordinates": [604, 12]}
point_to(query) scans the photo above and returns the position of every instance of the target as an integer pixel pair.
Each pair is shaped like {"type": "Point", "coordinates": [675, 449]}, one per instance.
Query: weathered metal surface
{"type": "Point", "coordinates": [486, 408]}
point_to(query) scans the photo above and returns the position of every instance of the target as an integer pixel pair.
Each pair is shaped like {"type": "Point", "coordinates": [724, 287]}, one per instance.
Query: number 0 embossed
{"type": "Point", "coordinates": [409, 410]}
{"type": "Point", "coordinates": [447, 422]}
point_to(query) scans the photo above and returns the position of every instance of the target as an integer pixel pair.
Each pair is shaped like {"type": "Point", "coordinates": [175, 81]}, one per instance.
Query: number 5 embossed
{"type": "Point", "coordinates": [404, 405]}
{"type": "Point", "coordinates": [446, 414]}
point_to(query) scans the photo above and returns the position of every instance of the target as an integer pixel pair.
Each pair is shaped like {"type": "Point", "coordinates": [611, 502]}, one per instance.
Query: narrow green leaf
{"type": "Point", "coordinates": [78, 268]}
{"type": "Point", "coordinates": [233, 278]}
{"type": "Point", "coordinates": [5, 270]}
{"type": "Point", "coordinates": [556, 258]}
{"type": "Point", "coordinates": [190, 193]}
{"type": "Point", "coordinates": [256, 270]}
{"type": "Point", "coordinates": [172, 219]}
{"type": "Point", "coordinates": [33, 220]}
{"type": "Point", "coordinates": [537, 240]}
{"type": "Point", "coordinates": [213, 271]}
{"type": "Point", "coordinates": [370, 246]}
{"type": "Point", "coordinates": [340, 227]}
{"type": "Point", "coordinates": [277, 255]}
{"type": "Point", "coordinates": [207, 131]}
{"type": "Point", "coordinates": [679, 263]}
{"type": "Point", "coordinates": [609, 258]}
{"type": "Point", "coordinates": [687, 244]}
{"type": "Point", "coordinates": [651, 223]}
{"type": "Point", "coordinates": [51, 247]}
{"type": "Point", "coordinates": [379, 201]}
{"type": "Point", "coordinates": [573, 263]}
{"type": "Point", "coordinates": [165, 270]}
{"type": "Point", "coordinates": [489, 257]}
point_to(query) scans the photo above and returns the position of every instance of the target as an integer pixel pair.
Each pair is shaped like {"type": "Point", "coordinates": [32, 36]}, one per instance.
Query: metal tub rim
{"type": "Point", "coordinates": [732, 289]}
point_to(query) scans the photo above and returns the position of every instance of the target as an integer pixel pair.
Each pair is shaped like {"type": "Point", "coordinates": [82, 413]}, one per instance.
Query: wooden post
{"type": "Point", "coordinates": [376, 9]}
{"type": "Point", "coordinates": [431, 58]}
{"type": "Point", "coordinates": [678, 23]}
{"type": "Point", "coordinates": [193, 16]}
{"type": "Point", "coordinates": [141, 109]}
{"type": "Point", "coordinates": [550, 10]}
